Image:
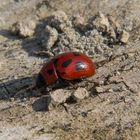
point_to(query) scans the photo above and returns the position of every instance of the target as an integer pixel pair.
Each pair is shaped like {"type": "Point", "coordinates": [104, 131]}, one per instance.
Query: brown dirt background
{"type": "Point", "coordinates": [113, 115]}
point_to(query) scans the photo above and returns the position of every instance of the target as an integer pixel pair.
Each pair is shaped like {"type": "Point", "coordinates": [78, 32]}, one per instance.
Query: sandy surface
{"type": "Point", "coordinates": [112, 111]}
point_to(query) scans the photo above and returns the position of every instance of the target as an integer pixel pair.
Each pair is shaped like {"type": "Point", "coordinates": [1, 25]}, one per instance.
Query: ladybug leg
{"type": "Point", "coordinates": [61, 83]}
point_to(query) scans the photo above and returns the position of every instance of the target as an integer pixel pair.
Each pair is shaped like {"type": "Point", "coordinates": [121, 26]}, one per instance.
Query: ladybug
{"type": "Point", "coordinates": [67, 66]}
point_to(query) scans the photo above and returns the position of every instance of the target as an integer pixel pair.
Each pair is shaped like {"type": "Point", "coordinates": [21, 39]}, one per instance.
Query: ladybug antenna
{"type": "Point", "coordinates": [40, 82]}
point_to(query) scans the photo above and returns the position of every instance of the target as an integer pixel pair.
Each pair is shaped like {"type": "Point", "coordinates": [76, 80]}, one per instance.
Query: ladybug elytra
{"type": "Point", "coordinates": [67, 66]}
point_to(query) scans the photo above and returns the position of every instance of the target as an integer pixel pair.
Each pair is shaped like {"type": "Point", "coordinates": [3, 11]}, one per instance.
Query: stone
{"type": "Point", "coordinates": [49, 37]}
{"type": "Point", "coordinates": [81, 93]}
{"type": "Point", "coordinates": [42, 11]}
{"type": "Point", "coordinates": [112, 33]}
{"type": "Point", "coordinates": [24, 28]}
{"type": "Point", "coordinates": [59, 20]}
{"type": "Point", "coordinates": [60, 95]}
{"type": "Point", "coordinates": [110, 90]}
{"type": "Point", "coordinates": [124, 36]}
{"type": "Point", "coordinates": [101, 23]}
{"type": "Point", "coordinates": [99, 89]}
{"type": "Point", "coordinates": [113, 23]}
{"type": "Point", "coordinates": [42, 104]}
{"type": "Point", "coordinates": [79, 22]}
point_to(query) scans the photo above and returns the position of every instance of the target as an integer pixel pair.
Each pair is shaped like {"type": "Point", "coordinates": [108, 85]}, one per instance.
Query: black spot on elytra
{"type": "Point", "coordinates": [66, 63]}
{"type": "Point", "coordinates": [76, 53]}
{"type": "Point", "coordinates": [50, 71]}
{"type": "Point", "coordinates": [80, 66]}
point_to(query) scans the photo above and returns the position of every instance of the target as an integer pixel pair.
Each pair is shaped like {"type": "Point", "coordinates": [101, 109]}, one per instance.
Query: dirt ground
{"type": "Point", "coordinates": [108, 31]}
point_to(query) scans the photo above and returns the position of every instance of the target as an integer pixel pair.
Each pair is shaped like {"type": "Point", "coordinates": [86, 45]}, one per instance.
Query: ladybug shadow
{"type": "Point", "coordinates": [16, 89]}
{"type": "Point", "coordinates": [19, 90]}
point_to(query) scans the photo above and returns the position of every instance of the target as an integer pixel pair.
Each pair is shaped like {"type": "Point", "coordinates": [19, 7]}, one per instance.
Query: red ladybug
{"type": "Point", "coordinates": [66, 66]}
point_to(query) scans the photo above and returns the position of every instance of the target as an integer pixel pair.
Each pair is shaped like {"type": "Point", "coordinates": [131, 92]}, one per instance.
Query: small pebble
{"type": "Point", "coordinates": [81, 93]}
{"type": "Point", "coordinates": [25, 28]}
{"type": "Point", "coordinates": [99, 89]}
{"type": "Point", "coordinates": [60, 95]}
{"type": "Point", "coordinates": [124, 36]}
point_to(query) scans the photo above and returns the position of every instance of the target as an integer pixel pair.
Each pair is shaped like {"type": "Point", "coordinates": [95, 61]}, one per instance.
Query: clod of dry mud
{"type": "Point", "coordinates": [24, 29]}
{"type": "Point", "coordinates": [105, 106]}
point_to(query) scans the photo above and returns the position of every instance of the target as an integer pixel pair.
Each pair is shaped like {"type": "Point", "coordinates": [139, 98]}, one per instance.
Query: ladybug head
{"type": "Point", "coordinates": [40, 82]}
